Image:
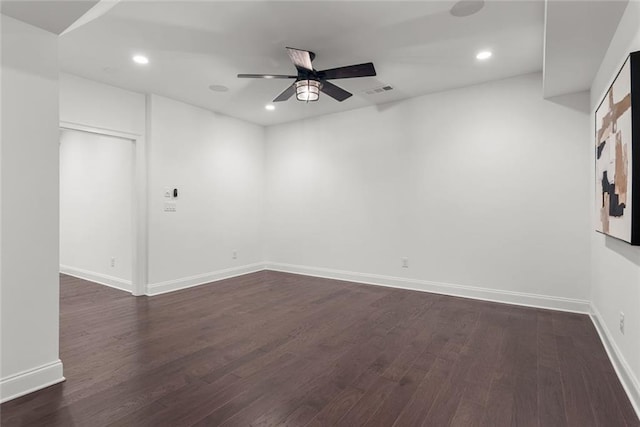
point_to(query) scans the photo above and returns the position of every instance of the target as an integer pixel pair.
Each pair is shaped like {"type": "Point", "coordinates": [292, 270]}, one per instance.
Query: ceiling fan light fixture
{"type": "Point", "coordinates": [307, 90]}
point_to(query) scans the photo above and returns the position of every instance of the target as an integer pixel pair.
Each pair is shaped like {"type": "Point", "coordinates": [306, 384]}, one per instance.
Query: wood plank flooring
{"type": "Point", "coordinates": [270, 349]}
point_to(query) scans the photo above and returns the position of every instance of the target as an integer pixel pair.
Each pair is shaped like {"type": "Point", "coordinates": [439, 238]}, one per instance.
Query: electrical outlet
{"type": "Point", "coordinates": [622, 322]}
{"type": "Point", "coordinates": [405, 262]}
{"type": "Point", "coordinates": [113, 262]}
{"type": "Point", "coordinates": [234, 254]}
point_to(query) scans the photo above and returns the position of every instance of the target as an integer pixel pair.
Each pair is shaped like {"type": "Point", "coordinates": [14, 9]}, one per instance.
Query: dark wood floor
{"type": "Point", "coordinates": [279, 349]}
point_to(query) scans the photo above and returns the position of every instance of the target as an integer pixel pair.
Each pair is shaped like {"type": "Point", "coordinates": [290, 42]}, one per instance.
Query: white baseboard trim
{"type": "Point", "coordinates": [103, 279]}
{"type": "Point", "coordinates": [625, 374]}
{"type": "Point", "coordinates": [31, 380]}
{"type": "Point", "coordinates": [201, 279]}
{"type": "Point", "coordinates": [485, 294]}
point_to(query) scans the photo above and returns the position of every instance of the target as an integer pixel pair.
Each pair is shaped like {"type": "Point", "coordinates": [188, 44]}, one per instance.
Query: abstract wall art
{"type": "Point", "coordinates": [617, 153]}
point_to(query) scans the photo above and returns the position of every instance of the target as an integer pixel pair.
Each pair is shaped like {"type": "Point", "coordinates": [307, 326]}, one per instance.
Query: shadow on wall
{"type": "Point", "coordinates": [578, 101]}
{"type": "Point", "coordinates": [632, 253]}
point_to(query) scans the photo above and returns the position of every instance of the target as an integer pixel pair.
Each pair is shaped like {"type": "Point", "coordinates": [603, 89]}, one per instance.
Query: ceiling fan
{"type": "Point", "coordinates": [309, 82]}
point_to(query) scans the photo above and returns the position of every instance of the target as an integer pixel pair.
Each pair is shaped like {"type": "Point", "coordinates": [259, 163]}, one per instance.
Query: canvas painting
{"type": "Point", "coordinates": [615, 153]}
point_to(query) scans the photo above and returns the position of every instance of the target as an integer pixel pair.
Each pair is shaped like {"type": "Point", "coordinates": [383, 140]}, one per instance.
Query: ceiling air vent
{"type": "Point", "coordinates": [377, 90]}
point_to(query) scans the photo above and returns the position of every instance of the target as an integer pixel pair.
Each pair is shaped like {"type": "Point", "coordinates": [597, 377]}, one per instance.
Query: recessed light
{"type": "Point", "coordinates": [485, 54]}
{"type": "Point", "coordinates": [270, 107]}
{"type": "Point", "coordinates": [140, 59]}
{"type": "Point", "coordinates": [218, 88]}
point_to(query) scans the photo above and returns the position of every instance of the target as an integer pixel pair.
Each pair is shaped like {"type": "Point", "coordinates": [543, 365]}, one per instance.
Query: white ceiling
{"type": "Point", "coordinates": [53, 16]}
{"type": "Point", "coordinates": [417, 47]}
{"type": "Point", "coordinates": [577, 35]}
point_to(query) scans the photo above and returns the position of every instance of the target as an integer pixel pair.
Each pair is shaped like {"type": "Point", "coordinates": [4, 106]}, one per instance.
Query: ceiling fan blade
{"type": "Point", "coordinates": [265, 76]}
{"type": "Point", "coordinates": [334, 91]}
{"type": "Point", "coordinates": [350, 71]}
{"type": "Point", "coordinates": [300, 58]}
{"type": "Point", "coordinates": [288, 93]}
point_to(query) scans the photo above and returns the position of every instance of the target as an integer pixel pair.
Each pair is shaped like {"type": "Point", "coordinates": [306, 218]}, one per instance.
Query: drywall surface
{"type": "Point", "coordinates": [102, 106]}
{"type": "Point", "coordinates": [105, 109]}
{"type": "Point", "coordinates": [482, 186]}
{"type": "Point", "coordinates": [96, 193]}
{"type": "Point", "coordinates": [29, 198]}
{"type": "Point", "coordinates": [616, 265]}
{"type": "Point", "coordinates": [216, 163]}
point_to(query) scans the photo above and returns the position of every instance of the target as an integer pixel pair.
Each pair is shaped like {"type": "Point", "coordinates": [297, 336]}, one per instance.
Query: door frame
{"type": "Point", "coordinates": [139, 259]}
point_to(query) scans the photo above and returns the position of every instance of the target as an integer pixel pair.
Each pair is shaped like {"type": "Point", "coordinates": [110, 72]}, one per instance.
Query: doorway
{"type": "Point", "coordinates": [97, 205]}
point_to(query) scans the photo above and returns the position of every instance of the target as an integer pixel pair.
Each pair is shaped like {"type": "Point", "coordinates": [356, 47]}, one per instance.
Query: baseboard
{"type": "Point", "coordinates": [485, 294]}
{"type": "Point", "coordinates": [103, 279]}
{"type": "Point", "coordinates": [29, 381]}
{"type": "Point", "coordinates": [202, 279]}
{"type": "Point", "coordinates": [625, 374]}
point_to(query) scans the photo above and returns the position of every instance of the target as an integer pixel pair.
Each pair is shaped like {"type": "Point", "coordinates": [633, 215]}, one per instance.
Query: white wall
{"type": "Point", "coordinates": [29, 197]}
{"type": "Point", "coordinates": [86, 104]}
{"type": "Point", "coordinates": [482, 186]}
{"type": "Point", "coordinates": [216, 163]}
{"type": "Point", "coordinates": [616, 265]}
{"type": "Point", "coordinates": [99, 105]}
{"type": "Point", "coordinates": [96, 194]}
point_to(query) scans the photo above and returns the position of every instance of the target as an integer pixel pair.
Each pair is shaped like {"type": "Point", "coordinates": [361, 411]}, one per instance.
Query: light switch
{"type": "Point", "coordinates": [169, 206]}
